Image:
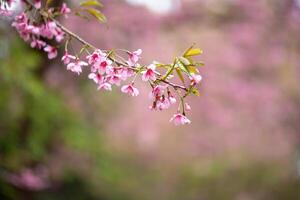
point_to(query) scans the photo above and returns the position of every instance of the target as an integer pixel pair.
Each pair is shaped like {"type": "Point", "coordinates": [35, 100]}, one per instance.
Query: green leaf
{"type": "Point", "coordinates": [91, 3]}
{"type": "Point", "coordinates": [163, 65]}
{"type": "Point", "coordinates": [184, 61]}
{"type": "Point", "coordinates": [195, 92]}
{"type": "Point", "coordinates": [81, 15]}
{"type": "Point", "coordinates": [97, 14]}
{"type": "Point", "coordinates": [192, 69]}
{"type": "Point", "coordinates": [192, 52]}
{"type": "Point", "coordinates": [180, 75]}
{"type": "Point", "coordinates": [199, 64]}
{"type": "Point", "coordinates": [182, 66]}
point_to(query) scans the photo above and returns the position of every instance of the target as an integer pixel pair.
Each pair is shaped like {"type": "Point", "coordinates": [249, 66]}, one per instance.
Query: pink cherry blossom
{"type": "Point", "coordinates": [96, 56]}
{"type": "Point", "coordinates": [105, 86]}
{"type": "Point", "coordinates": [157, 91]}
{"type": "Point", "coordinates": [5, 13]}
{"type": "Point", "coordinates": [195, 79]}
{"type": "Point", "coordinates": [65, 10]}
{"type": "Point", "coordinates": [188, 107]}
{"type": "Point", "coordinates": [129, 89]}
{"type": "Point", "coordinates": [102, 66]}
{"type": "Point", "coordinates": [115, 79]}
{"type": "Point", "coordinates": [52, 51]}
{"type": "Point", "coordinates": [149, 74]}
{"type": "Point", "coordinates": [39, 44]}
{"type": "Point", "coordinates": [59, 36]}
{"type": "Point", "coordinates": [134, 57]}
{"type": "Point", "coordinates": [126, 73]}
{"type": "Point", "coordinates": [67, 58]}
{"type": "Point", "coordinates": [76, 67]}
{"type": "Point", "coordinates": [163, 103]}
{"type": "Point", "coordinates": [97, 78]}
{"type": "Point", "coordinates": [35, 30]}
{"type": "Point", "coordinates": [37, 4]}
{"type": "Point", "coordinates": [172, 99]}
{"type": "Point", "coordinates": [179, 119]}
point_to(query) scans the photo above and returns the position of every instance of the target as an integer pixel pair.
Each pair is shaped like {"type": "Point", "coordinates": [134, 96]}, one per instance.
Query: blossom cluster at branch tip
{"type": "Point", "coordinates": [180, 119]}
{"type": "Point", "coordinates": [38, 34]}
{"type": "Point", "coordinates": [104, 69]}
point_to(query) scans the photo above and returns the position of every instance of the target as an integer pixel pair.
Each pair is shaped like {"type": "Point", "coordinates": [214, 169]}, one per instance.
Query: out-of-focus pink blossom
{"type": "Point", "coordinates": [67, 58]}
{"type": "Point", "coordinates": [52, 51]}
{"type": "Point", "coordinates": [129, 89]}
{"type": "Point", "coordinates": [76, 66]}
{"type": "Point", "coordinates": [126, 73]}
{"type": "Point", "coordinates": [103, 66]}
{"type": "Point", "coordinates": [59, 36]}
{"type": "Point", "coordinates": [180, 119]}
{"type": "Point", "coordinates": [65, 10]}
{"type": "Point", "coordinates": [163, 103]}
{"type": "Point", "coordinates": [172, 99]}
{"type": "Point", "coordinates": [37, 4]}
{"type": "Point", "coordinates": [96, 56]}
{"type": "Point", "coordinates": [115, 79]}
{"type": "Point", "coordinates": [96, 77]}
{"type": "Point", "coordinates": [36, 43]}
{"type": "Point", "coordinates": [157, 91]}
{"type": "Point", "coordinates": [195, 79]}
{"type": "Point", "coordinates": [28, 179]}
{"type": "Point", "coordinates": [5, 13]}
{"type": "Point", "coordinates": [149, 74]}
{"type": "Point", "coordinates": [134, 57]}
{"type": "Point", "coordinates": [105, 86]}
{"type": "Point", "coordinates": [187, 107]}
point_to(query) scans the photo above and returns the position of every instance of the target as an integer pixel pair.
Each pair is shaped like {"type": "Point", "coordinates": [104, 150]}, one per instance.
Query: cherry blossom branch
{"type": "Point", "coordinates": [106, 70]}
{"type": "Point", "coordinates": [70, 33]}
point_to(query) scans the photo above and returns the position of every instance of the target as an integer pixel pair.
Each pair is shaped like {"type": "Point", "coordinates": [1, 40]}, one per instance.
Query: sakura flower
{"type": "Point", "coordinates": [96, 56]}
{"type": "Point", "coordinates": [59, 36]}
{"type": "Point", "coordinates": [45, 31]}
{"type": "Point", "coordinates": [105, 86]}
{"type": "Point", "coordinates": [37, 4]}
{"type": "Point", "coordinates": [52, 51]}
{"type": "Point", "coordinates": [5, 13]}
{"type": "Point", "coordinates": [50, 29]}
{"type": "Point", "coordinates": [172, 99]}
{"type": "Point", "coordinates": [97, 78]}
{"type": "Point", "coordinates": [104, 66]}
{"type": "Point", "coordinates": [187, 106]}
{"type": "Point", "coordinates": [67, 58]}
{"type": "Point", "coordinates": [149, 74]}
{"type": "Point", "coordinates": [129, 89]}
{"type": "Point", "coordinates": [35, 43]}
{"type": "Point", "coordinates": [134, 57]}
{"type": "Point", "coordinates": [163, 104]}
{"type": "Point", "coordinates": [76, 67]}
{"type": "Point", "coordinates": [65, 10]}
{"type": "Point", "coordinates": [157, 91]}
{"type": "Point", "coordinates": [35, 30]}
{"type": "Point", "coordinates": [115, 79]}
{"type": "Point", "coordinates": [195, 79]}
{"type": "Point", "coordinates": [126, 73]}
{"type": "Point", "coordinates": [179, 119]}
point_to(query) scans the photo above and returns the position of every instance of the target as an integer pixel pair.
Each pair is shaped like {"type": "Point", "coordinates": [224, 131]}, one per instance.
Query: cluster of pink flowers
{"type": "Point", "coordinates": [102, 71]}
{"type": "Point", "coordinates": [37, 34]}
{"type": "Point", "coordinates": [105, 72]}
{"type": "Point", "coordinates": [161, 101]}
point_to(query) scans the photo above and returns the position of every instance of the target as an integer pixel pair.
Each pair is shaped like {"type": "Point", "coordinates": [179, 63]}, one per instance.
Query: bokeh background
{"type": "Point", "coordinates": [62, 139]}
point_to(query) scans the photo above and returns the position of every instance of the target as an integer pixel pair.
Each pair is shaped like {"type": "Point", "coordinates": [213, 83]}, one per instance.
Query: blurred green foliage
{"type": "Point", "coordinates": [31, 114]}
{"type": "Point", "coordinates": [38, 128]}
{"type": "Point", "coordinates": [34, 119]}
